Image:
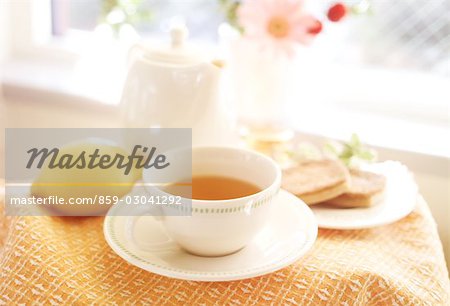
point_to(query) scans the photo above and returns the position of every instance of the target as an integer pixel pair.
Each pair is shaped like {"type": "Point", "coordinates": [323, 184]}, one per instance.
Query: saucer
{"type": "Point", "coordinates": [399, 201]}
{"type": "Point", "coordinates": [288, 235]}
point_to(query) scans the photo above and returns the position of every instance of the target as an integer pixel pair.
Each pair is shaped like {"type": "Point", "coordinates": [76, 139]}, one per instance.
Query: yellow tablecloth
{"type": "Point", "coordinates": [65, 261]}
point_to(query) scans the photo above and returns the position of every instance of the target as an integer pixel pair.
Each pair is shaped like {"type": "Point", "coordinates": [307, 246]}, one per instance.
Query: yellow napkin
{"type": "Point", "coordinates": [66, 261]}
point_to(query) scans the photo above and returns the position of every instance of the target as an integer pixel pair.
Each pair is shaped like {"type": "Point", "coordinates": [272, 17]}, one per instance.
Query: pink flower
{"type": "Point", "coordinates": [278, 24]}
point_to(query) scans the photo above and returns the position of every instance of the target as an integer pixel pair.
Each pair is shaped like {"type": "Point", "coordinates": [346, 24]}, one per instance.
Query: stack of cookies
{"type": "Point", "coordinates": [329, 181]}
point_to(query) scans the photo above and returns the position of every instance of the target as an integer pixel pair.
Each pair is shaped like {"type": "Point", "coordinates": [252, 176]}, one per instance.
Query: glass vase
{"type": "Point", "coordinates": [261, 84]}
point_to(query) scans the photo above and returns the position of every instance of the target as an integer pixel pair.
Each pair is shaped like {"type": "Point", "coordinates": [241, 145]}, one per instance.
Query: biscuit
{"type": "Point", "coordinates": [316, 181]}
{"type": "Point", "coordinates": [365, 190]}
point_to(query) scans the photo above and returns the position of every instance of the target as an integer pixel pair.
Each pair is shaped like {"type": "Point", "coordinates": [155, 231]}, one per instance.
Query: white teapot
{"type": "Point", "coordinates": [174, 87]}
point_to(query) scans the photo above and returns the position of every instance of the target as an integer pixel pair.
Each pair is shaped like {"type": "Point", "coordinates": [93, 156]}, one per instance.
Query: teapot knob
{"type": "Point", "coordinates": [178, 34]}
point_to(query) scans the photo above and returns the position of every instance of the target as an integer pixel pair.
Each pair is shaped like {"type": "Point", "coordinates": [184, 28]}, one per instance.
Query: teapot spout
{"type": "Point", "coordinates": [212, 70]}
{"type": "Point", "coordinates": [214, 121]}
{"type": "Point", "coordinates": [214, 66]}
{"type": "Point", "coordinates": [205, 76]}
{"type": "Point", "coordinates": [218, 63]}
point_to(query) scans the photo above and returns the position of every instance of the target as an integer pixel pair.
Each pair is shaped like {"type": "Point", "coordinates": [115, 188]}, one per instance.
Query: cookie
{"type": "Point", "coordinates": [366, 189]}
{"type": "Point", "coordinates": [316, 181]}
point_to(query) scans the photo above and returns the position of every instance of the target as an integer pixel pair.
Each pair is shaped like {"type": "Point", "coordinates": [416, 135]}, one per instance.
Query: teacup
{"type": "Point", "coordinates": [221, 227]}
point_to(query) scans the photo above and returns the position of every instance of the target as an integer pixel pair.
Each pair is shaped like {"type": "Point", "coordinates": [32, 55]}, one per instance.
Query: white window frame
{"type": "Point", "coordinates": [30, 25]}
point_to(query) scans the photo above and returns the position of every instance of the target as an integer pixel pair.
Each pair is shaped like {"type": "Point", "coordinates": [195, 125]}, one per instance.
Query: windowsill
{"type": "Point", "coordinates": [49, 82]}
{"type": "Point", "coordinates": [375, 129]}
{"type": "Point", "coordinates": [88, 80]}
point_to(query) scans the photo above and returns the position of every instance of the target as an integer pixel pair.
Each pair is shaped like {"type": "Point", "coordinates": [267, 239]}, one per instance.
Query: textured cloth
{"type": "Point", "coordinates": [66, 261]}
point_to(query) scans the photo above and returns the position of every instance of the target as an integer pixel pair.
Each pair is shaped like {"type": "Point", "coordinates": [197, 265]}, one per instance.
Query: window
{"type": "Point", "coordinates": [397, 34]}
{"type": "Point", "coordinates": [149, 17]}
{"type": "Point", "coordinates": [406, 35]}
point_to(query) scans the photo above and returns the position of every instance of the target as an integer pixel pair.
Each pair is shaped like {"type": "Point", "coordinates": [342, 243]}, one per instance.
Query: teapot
{"type": "Point", "coordinates": [175, 86]}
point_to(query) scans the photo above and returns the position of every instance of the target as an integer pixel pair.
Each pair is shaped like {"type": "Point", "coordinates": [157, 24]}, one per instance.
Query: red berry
{"type": "Point", "coordinates": [337, 12]}
{"type": "Point", "coordinates": [316, 28]}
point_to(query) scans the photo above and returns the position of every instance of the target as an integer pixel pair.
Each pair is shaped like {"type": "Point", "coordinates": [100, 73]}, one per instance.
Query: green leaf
{"type": "Point", "coordinates": [331, 148]}
{"type": "Point", "coordinates": [230, 8]}
{"type": "Point", "coordinates": [352, 152]}
{"type": "Point", "coordinates": [354, 141]}
{"type": "Point", "coordinates": [367, 155]}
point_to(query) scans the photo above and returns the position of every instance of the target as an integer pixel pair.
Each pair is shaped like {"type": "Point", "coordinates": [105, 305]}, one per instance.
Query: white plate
{"type": "Point", "coordinates": [399, 200]}
{"type": "Point", "coordinates": [289, 234]}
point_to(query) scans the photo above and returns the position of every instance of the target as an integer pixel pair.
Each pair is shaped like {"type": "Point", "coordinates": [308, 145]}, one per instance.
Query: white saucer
{"type": "Point", "coordinates": [399, 201]}
{"type": "Point", "coordinates": [289, 234]}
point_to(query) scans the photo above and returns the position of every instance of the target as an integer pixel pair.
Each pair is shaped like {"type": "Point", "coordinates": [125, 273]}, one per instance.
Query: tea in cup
{"type": "Point", "coordinates": [230, 201]}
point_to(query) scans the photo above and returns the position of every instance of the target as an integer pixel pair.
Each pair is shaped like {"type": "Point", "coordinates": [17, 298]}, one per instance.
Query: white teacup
{"type": "Point", "coordinates": [221, 227]}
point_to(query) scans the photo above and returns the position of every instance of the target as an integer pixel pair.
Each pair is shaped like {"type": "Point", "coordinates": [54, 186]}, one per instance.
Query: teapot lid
{"type": "Point", "coordinates": [178, 52]}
